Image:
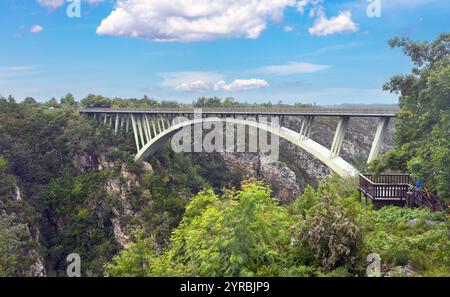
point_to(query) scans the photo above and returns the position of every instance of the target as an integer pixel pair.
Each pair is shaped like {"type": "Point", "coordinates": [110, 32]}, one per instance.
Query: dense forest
{"type": "Point", "coordinates": [69, 185]}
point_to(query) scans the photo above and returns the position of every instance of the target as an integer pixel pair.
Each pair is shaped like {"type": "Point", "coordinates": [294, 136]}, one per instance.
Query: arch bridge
{"type": "Point", "coordinates": [152, 127]}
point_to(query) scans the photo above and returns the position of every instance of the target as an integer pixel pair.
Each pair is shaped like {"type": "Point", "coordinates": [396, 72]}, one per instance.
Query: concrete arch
{"type": "Point", "coordinates": [335, 163]}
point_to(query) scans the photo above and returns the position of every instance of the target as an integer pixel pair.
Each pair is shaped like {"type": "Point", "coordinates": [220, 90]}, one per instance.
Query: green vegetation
{"type": "Point", "coordinates": [327, 232]}
{"type": "Point", "coordinates": [423, 123]}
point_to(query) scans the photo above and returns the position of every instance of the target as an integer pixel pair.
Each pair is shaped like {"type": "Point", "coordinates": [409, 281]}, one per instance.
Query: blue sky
{"type": "Point", "coordinates": [327, 52]}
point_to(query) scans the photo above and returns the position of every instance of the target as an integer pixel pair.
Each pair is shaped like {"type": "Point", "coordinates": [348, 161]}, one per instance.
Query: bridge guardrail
{"type": "Point", "coordinates": [268, 111]}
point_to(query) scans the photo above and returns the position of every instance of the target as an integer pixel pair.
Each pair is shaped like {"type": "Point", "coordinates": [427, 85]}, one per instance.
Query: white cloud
{"type": "Point", "coordinates": [207, 81]}
{"type": "Point", "coordinates": [293, 68]}
{"type": "Point", "coordinates": [192, 20]}
{"type": "Point", "coordinates": [241, 85]}
{"type": "Point", "coordinates": [189, 79]}
{"type": "Point", "coordinates": [339, 24]}
{"type": "Point", "coordinates": [52, 4]}
{"type": "Point", "coordinates": [36, 29]}
{"type": "Point", "coordinates": [16, 71]}
{"type": "Point", "coordinates": [198, 85]}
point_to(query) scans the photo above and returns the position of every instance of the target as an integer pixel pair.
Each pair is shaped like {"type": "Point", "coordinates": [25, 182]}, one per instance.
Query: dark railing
{"type": "Point", "coordinates": [384, 186]}
{"type": "Point", "coordinates": [390, 178]}
{"type": "Point", "coordinates": [396, 188]}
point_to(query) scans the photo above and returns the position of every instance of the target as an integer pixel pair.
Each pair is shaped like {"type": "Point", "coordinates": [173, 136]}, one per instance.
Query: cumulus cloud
{"type": "Point", "coordinates": [208, 81]}
{"type": "Point", "coordinates": [293, 68]}
{"type": "Point", "coordinates": [36, 29]}
{"type": "Point", "coordinates": [189, 80]}
{"type": "Point", "coordinates": [341, 23]}
{"type": "Point", "coordinates": [192, 20]}
{"type": "Point", "coordinates": [241, 85]}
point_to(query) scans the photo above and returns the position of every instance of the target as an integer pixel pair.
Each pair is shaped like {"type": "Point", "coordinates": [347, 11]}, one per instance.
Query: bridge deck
{"type": "Point", "coordinates": [338, 112]}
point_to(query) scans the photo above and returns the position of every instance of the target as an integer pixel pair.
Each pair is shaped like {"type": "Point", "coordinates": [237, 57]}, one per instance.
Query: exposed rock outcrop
{"type": "Point", "coordinates": [277, 174]}
{"type": "Point", "coordinates": [121, 187]}
{"type": "Point", "coordinates": [22, 242]}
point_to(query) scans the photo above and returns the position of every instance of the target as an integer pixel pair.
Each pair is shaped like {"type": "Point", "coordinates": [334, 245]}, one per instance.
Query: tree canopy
{"type": "Point", "coordinates": [423, 122]}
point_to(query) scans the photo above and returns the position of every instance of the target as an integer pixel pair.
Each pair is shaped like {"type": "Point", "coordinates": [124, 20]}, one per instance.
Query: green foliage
{"type": "Point", "coordinates": [66, 202]}
{"type": "Point", "coordinates": [304, 203]}
{"type": "Point", "coordinates": [240, 233]}
{"type": "Point", "coordinates": [422, 125]}
{"type": "Point", "coordinates": [68, 100]}
{"type": "Point", "coordinates": [13, 241]}
{"type": "Point", "coordinates": [135, 260]}
{"type": "Point", "coordinates": [331, 232]}
{"type": "Point", "coordinates": [416, 236]}
{"type": "Point", "coordinates": [324, 233]}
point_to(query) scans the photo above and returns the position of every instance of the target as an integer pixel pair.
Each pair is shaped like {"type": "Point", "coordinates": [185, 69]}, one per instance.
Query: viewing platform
{"type": "Point", "coordinates": [395, 189]}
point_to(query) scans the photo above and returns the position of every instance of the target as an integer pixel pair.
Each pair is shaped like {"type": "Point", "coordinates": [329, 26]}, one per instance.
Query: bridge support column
{"type": "Point", "coordinates": [339, 136]}
{"type": "Point", "coordinates": [305, 130]}
{"type": "Point", "coordinates": [116, 128]}
{"type": "Point", "coordinates": [135, 132]}
{"type": "Point", "coordinates": [383, 123]}
{"type": "Point", "coordinates": [106, 117]}
{"type": "Point", "coordinates": [110, 120]}
{"type": "Point", "coordinates": [122, 123]}
{"type": "Point", "coordinates": [154, 128]}
{"type": "Point", "coordinates": [141, 134]}
{"type": "Point", "coordinates": [144, 126]}
{"type": "Point", "coordinates": [167, 122]}
{"type": "Point", "coordinates": [147, 125]}
{"type": "Point", "coordinates": [127, 126]}
{"type": "Point", "coordinates": [159, 125]}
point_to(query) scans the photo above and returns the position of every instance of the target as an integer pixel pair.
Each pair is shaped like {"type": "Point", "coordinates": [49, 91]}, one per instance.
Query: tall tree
{"type": "Point", "coordinates": [423, 123]}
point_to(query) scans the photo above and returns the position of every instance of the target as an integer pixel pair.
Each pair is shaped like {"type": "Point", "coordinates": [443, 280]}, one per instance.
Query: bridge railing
{"type": "Point", "coordinates": [259, 110]}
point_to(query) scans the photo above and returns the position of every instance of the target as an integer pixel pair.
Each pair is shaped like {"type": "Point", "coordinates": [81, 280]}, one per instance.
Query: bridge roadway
{"type": "Point", "coordinates": [335, 112]}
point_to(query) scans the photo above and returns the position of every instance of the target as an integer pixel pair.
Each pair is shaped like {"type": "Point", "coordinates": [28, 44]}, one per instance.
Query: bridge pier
{"type": "Point", "coordinates": [339, 136]}
{"type": "Point", "coordinates": [140, 130]}
{"type": "Point", "coordinates": [144, 128]}
{"type": "Point", "coordinates": [159, 125]}
{"type": "Point", "coordinates": [154, 128]}
{"type": "Point", "coordinates": [116, 127]}
{"type": "Point", "coordinates": [305, 130]}
{"type": "Point", "coordinates": [147, 127]}
{"type": "Point", "coordinates": [135, 132]}
{"type": "Point", "coordinates": [383, 123]}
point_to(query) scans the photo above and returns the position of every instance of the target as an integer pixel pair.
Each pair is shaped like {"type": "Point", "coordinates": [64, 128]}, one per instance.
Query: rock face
{"type": "Point", "coordinates": [121, 187]}
{"type": "Point", "coordinates": [23, 241]}
{"type": "Point", "coordinates": [277, 174]}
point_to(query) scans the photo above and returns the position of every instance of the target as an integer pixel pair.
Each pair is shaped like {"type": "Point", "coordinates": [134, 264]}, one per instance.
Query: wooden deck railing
{"type": "Point", "coordinates": [384, 187]}
{"type": "Point", "coordinates": [396, 188]}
